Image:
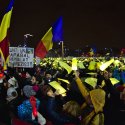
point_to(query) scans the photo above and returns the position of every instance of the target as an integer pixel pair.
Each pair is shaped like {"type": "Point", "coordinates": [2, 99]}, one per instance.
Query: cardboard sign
{"type": "Point", "coordinates": [21, 57]}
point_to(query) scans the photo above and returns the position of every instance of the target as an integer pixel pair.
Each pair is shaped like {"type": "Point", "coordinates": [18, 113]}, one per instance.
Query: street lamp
{"type": "Point", "coordinates": [25, 38]}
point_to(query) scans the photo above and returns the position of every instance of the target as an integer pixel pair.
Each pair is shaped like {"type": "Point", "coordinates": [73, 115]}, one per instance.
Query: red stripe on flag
{"type": "Point", "coordinates": [4, 45]}
{"type": "Point", "coordinates": [41, 50]}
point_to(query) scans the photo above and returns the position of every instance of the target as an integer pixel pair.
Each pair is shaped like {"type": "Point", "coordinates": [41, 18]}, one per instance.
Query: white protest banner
{"type": "Point", "coordinates": [21, 57]}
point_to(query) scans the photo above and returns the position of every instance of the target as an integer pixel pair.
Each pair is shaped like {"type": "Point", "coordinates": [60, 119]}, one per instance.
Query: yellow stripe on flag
{"type": "Point", "coordinates": [5, 25]}
{"type": "Point", "coordinates": [47, 40]}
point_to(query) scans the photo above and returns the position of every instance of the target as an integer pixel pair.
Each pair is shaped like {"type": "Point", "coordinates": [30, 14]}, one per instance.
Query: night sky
{"type": "Point", "coordinates": [98, 23]}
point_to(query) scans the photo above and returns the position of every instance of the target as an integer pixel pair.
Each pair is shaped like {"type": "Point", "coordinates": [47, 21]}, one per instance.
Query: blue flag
{"type": "Point", "coordinates": [57, 30]}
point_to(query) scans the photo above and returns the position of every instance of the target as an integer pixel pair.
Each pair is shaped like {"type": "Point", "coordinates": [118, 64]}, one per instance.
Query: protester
{"type": "Point", "coordinates": [28, 110]}
{"type": "Point", "coordinates": [93, 108]}
{"type": "Point", "coordinates": [115, 102]}
{"type": "Point", "coordinates": [70, 112]}
{"type": "Point", "coordinates": [29, 97]}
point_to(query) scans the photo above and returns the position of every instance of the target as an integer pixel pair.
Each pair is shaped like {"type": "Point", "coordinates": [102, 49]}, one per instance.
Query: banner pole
{"type": "Point", "coordinates": [62, 49]}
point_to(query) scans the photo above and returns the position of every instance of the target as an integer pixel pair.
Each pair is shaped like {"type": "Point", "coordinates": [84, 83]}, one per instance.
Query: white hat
{"type": "Point", "coordinates": [12, 81]}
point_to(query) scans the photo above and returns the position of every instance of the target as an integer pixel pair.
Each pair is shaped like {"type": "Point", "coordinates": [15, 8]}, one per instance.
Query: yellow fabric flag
{"type": "Point", "coordinates": [64, 80]}
{"type": "Point", "coordinates": [80, 65]}
{"type": "Point", "coordinates": [57, 86]}
{"type": "Point", "coordinates": [92, 65]}
{"type": "Point", "coordinates": [98, 64]}
{"type": "Point", "coordinates": [91, 81]}
{"type": "Point", "coordinates": [65, 66]}
{"type": "Point", "coordinates": [106, 64]}
{"type": "Point", "coordinates": [114, 81]}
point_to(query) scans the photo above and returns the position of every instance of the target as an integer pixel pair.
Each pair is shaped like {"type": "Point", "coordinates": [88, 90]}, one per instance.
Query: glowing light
{"type": "Point", "coordinates": [106, 64]}
{"type": "Point", "coordinates": [74, 64]}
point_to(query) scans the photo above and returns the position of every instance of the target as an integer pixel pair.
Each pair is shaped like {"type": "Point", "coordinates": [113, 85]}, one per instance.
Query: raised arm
{"type": "Point", "coordinates": [81, 86]}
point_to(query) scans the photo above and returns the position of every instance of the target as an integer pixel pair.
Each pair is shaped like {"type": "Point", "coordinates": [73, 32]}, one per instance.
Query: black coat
{"type": "Point", "coordinates": [13, 104]}
{"type": "Point", "coordinates": [113, 105]}
{"type": "Point", "coordinates": [4, 113]}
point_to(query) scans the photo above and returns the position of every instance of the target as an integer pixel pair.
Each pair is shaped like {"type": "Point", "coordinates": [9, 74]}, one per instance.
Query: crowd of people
{"type": "Point", "coordinates": [27, 98]}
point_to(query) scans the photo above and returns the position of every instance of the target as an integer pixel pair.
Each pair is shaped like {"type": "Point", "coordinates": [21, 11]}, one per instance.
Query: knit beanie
{"type": "Point", "coordinates": [28, 91]}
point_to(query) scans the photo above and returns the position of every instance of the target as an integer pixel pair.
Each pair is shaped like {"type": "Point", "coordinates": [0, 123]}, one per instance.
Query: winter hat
{"type": "Point", "coordinates": [28, 91]}
{"type": "Point", "coordinates": [10, 91]}
{"type": "Point", "coordinates": [98, 99]}
{"type": "Point", "coordinates": [12, 81]}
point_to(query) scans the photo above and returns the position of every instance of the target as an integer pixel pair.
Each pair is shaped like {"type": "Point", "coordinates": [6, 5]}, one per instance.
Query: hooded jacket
{"type": "Point", "coordinates": [98, 101]}
{"type": "Point", "coordinates": [25, 110]}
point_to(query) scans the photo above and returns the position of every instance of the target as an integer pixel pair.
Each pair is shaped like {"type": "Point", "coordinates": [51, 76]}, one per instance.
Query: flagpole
{"type": "Point", "coordinates": [62, 49]}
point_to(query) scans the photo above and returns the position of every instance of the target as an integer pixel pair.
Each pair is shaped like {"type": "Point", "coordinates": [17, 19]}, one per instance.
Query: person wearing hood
{"type": "Point", "coordinates": [13, 100]}
{"type": "Point", "coordinates": [94, 103]}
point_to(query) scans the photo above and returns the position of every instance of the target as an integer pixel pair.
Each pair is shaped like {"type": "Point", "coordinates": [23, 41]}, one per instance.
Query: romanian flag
{"type": "Point", "coordinates": [4, 41]}
{"type": "Point", "coordinates": [54, 34]}
{"type": "Point", "coordinates": [92, 51]}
